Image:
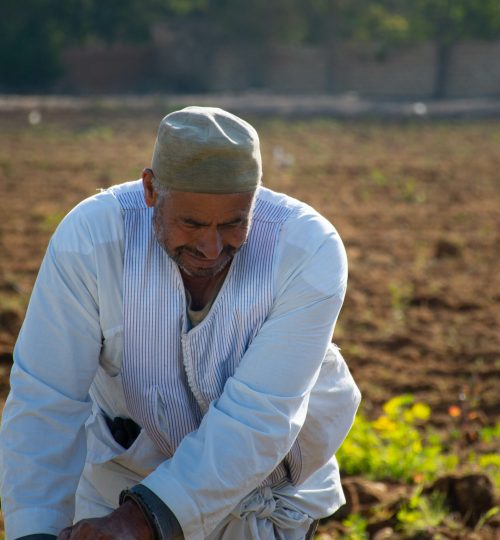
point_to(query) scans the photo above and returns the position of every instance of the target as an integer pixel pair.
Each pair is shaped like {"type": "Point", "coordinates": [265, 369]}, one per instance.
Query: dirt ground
{"type": "Point", "coordinates": [417, 203]}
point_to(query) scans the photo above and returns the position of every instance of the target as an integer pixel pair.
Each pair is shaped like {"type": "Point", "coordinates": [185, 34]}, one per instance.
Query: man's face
{"type": "Point", "coordinates": [202, 232]}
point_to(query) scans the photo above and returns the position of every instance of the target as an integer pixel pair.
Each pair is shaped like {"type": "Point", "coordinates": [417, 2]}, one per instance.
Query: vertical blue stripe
{"type": "Point", "coordinates": [170, 377]}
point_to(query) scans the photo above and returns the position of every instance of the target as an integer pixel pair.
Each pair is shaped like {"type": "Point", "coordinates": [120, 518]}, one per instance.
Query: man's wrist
{"type": "Point", "coordinates": [161, 519]}
{"type": "Point", "coordinates": [135, 510]}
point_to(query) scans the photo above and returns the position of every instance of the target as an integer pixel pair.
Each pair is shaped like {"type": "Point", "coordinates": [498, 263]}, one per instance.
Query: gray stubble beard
{"type": "Point", "coordinates": [160, 233]}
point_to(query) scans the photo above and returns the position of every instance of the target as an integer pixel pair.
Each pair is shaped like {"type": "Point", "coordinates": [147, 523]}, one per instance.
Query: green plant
{"type": "Point", "coordinates": [489, 433]}
{"type": "Point", "coordinates": [410, 193]}
{"type": "Point", "coordinates": [400, 295]}
{"type": "Point", "coordinates": [490, 464]}
{"type": "Point", "coordinates": [398, 445]}
{"type": "Point", "coordinates": [421, 514]}
{"type": "Point", "coordinates": [491, 513]}
{"type": "Point", "coordinates": [355, 525]}
{"type": "Point", "coordinates": [98, 133]}
{"type": "Point", "coordinates": [379, 178]}
{"type": "Point", "coordinates": [51, 221]}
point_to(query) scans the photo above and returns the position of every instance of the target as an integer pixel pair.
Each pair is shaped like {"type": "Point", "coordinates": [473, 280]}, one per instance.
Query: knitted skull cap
{"type": "Point", "coordinates": [207, 150]}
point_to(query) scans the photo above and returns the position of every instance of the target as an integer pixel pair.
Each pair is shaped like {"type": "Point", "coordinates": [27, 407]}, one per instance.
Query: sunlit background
{"type": "Point", "coordinates": [384, 115]}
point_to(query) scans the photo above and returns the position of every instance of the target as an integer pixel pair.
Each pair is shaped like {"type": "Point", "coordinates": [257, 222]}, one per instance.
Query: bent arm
{"type": "Point", "coordinates": [252, 426]}
{"type": "Point", "coordinates": [42, 444]}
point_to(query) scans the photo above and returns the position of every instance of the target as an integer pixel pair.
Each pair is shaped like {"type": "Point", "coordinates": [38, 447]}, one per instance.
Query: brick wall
{"type": "Point", "coordinates": [300, 70]}
{"type": "Point", "coordinates": [407, 72]}
{"type": "Point", "coordinates": [404, 73]}
{"type": "Point", "coordinates": [475, 70]}
{"type": "Point", "coordinates": [118, 69]}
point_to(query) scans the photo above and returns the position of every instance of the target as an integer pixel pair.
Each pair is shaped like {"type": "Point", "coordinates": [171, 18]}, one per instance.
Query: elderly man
{"type": "Point", "coordinates": [175, 369]}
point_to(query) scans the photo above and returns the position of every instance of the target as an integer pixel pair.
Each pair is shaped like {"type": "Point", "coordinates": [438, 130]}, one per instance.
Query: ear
{"type": "Point", "coordinates": [150, 195]}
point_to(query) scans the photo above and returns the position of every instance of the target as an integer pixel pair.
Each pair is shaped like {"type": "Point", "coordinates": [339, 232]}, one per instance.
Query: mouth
{"type": "Point", "coordinates": [193, 263]}
{"type": "Point", "coordinates": [203, 262]}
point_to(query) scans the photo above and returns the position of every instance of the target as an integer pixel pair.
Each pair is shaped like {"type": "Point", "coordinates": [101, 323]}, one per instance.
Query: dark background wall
{"type": "Point", "coordinates": [378, 48]}
{"type": "Point", "coordinates": [408, 72]}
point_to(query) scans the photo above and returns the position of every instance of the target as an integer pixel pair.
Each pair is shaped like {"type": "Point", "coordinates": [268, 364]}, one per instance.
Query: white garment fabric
{"type": "Point", "coordinates": [67, 374]}
{"type": "Point", "coordinates": [263, 515]}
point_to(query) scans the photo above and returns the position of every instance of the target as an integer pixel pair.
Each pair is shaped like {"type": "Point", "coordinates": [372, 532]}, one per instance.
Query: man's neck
{"type": "Point", "coordinates": [203, 289]}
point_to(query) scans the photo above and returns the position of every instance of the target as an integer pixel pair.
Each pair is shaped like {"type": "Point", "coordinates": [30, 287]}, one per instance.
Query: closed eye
{"type": "Point", "coordinates": [234, 224]}
{"type": "Point", "coordinates": [191, 223]}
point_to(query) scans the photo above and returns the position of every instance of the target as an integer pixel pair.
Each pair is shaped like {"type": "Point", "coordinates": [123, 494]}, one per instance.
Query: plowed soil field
{"type": "Point", "coordinates": [416, 203]}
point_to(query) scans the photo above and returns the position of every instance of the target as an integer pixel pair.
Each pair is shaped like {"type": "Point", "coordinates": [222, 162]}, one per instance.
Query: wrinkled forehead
{"type": "Point", "coordinates": [210, 208]}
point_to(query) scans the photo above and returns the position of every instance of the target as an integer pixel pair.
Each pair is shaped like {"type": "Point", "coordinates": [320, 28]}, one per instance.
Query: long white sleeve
{"type": "Point", "coordinates": [248, 431]}
{"type": "Point", "coordinates": [42, 441]}
{"type": "Point", "coordinates": [76, 305]}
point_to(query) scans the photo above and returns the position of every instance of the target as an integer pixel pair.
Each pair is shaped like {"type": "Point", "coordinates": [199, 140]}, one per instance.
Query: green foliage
{"type": "Point", "coordinates": [446, 22]}
{"type": "Point", "coordinates": [488, 463]}
{"type": "Point", "coordinates": [490, 433]}
{"type": "Point", "coordinates": [420, 513]}
{"type": "Point", "coordinates": [51, 221]}
{"type": "Point", "coordinates": [396, 446]}
{"type": "Point", "coordinates": [410, 193]}
{"type": "Point", "coordinates": [451, 20]}
{"type": "Point", "coordinates": [491, 513]}
{"type": "Point", "coordinates": [400, 295]}
{"type": "Point", "coordinates": [34, 32]}
{"type": "Point", "coordinates": [355, 527]}
{"type": "Point", "coordinates": [400, 445]}
{"type": "Point", "coordinates": [30, 42]}
{"type": "Point", "coordinates": [261, 22]}
{"type": "Point", "coordinates": [379, 178]}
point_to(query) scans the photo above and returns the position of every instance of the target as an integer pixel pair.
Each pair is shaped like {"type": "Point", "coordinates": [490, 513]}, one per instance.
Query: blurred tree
{"type": "Point", "coordinates": [29, 44]}
{"type": "Point", "coordinates": [390, 23]}
{"type": "Point", "coordinates": [374, 21]}
{"type": "Point", "coordinates": [33, 33]}
{"type": "Point", "coordinates": [119, 20]}
{"type": "Point", "coordinates": [447, 22]}
{"type": "Point", "coordinates": [253, 27]}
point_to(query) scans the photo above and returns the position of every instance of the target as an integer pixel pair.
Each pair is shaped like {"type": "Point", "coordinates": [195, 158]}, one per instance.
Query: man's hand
{"type": "Point", "coordinates": [126, 523]}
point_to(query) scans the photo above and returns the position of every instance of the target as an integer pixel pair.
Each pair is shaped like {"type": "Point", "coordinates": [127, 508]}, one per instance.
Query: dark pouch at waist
{"type": "Point", "coordinates": [124, 430]}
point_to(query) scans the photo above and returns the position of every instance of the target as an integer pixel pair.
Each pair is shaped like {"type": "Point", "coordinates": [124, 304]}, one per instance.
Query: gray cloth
{"type": "Point", "coordinates": [207, 150]}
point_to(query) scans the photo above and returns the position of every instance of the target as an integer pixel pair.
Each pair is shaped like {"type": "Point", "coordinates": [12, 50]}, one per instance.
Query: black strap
{"type": "Point", "coordinates": [160, 518]}
{"type": "Point", "coordinates": [37, 537]}
{"type": "Point", "coordinates": [312, 530]}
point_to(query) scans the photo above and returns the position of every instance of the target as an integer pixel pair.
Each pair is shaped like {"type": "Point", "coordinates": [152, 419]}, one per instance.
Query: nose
{"type": "Point", "coordinates": [210, 243]}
